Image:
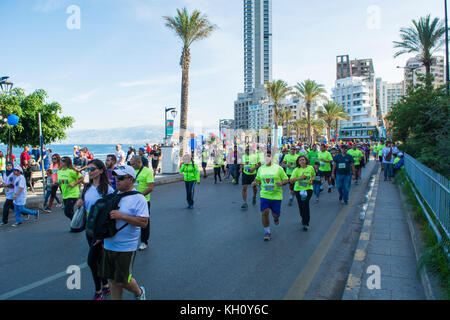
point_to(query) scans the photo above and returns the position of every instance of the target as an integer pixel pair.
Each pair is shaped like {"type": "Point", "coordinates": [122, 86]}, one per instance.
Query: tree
{"type": "Point", "coordinates": [300, 125]}
{"type": "Point", "coordinates": [311, 92]}
{"type": "Point", "coordinates": [424, 38]}
{"type": "Point", "coordinates": [285, 117]}
{"type": "Point", "coordinates": [189, 28]}
{"type": "Point", "coordinates": [331, 112]}
{"type": "Point", "coordinates": [317, 126]}
{"type": "Point", "coordinates": [277, 90]}
{"type": "Point", "coordinates": [27, 107]}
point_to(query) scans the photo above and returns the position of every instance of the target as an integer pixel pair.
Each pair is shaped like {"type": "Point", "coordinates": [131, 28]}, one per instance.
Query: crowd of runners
{"type": "Point", "coordinates": [308, 170]}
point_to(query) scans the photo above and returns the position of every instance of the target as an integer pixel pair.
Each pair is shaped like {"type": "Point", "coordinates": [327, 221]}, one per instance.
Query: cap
{"type": "Point", "coordinates": [125, 170]}
{"type": "Point", "coordinates": [18, 169]}
{"type": "Point", "coordinates": [400, 154]}
{"type": "Point", "coordinates": [142, 149]}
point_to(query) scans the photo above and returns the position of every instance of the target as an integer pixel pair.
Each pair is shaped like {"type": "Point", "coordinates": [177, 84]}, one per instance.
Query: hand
{"type": "Point", "coordinates": [303, 177]}
{"type": "Point", "coordinates": [115, 214]}
{"type": "Point", "coordinates": [71, 185]}
{"type": "Point", "coordinates": [15, 197]}
{"type": "Point", "coordinates": [79, 203]}
{"type": "Point", "coordinates": [333, 176]}
{"type": "Point", "coordinates": [280, 184]}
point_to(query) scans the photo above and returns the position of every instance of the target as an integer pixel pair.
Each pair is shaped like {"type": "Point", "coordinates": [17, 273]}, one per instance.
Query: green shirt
{"type": "Point", "coordinates": [356, 154]}
{"type": "Point", "coordinates": [324, 166]}
{"type": "Point", "coordinates": [312, 157]}
{"type": "Point", "coordinates": [191, 173]}
{"type": "Point", "coordinates": [269, 176]}
{"type": "Point", "coordinates": [249, 162]}
{"type": "Point", "coordinates": [301, 185]}
{"type": "Point", "coordinates": [291, 162]}
{"type": "Point", "coordinates": [143, 179]}
{"type": "Point", "coordinates": [66, 177]}
{"type": "Point", "coordinates": [380, 148]}
{"type": "Point", "coordinates": [205, 156]}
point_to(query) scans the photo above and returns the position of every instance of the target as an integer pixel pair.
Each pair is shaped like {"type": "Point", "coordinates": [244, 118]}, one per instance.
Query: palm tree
{"type": "Point", "coordinates": [317, 126]}
{"type": "Point", "coordinates": [189, 28]}
{"type": "Point", "coordinates": [285, 116]}
{"type": "Point", "coordinates": [424, 39]}
{"type": "Point", "coordinates": [277, 90]}
{"type": "Point", "coordinates": [330, 112]}
{"type": "Point", "coordinates": [300, 125]}
{"type": "Point", "coordinates": [311, 92]}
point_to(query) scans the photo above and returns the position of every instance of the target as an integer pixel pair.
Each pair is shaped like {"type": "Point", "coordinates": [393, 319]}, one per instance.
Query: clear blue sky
{"type": "Point", "coordinates": [122, 66]}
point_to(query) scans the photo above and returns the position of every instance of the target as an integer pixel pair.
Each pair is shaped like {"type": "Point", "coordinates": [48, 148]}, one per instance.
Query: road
{"type": "Point", "coordinates": [215, 251]}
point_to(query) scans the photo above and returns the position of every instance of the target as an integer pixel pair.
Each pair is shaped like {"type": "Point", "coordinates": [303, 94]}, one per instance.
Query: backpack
{"type": "Point", "coordinates": [99, 225]}
{"type": "Point", "coordinates": [388, 157]}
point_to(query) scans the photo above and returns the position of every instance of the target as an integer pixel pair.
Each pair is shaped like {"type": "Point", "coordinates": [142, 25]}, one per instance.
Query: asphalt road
{"type": "Point", "coordinates": [215, 251]}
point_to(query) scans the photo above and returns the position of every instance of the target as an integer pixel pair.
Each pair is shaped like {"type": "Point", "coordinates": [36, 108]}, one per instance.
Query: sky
{"type": "Point", "coordinates": [119, 67]}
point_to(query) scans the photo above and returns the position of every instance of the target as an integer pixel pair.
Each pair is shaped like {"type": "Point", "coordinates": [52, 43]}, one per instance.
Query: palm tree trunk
{"type": "Point", "coordinates": [185, 63]}
{"type": "Point", "coordinates": [337, 128]}
{"type": "Point", "coordinates": [308, 108]}
{"type": "Point", "coordinates": [329, 132]}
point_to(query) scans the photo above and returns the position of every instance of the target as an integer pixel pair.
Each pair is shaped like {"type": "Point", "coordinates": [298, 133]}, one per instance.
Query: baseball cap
{"type": "Point", "coordinates": [18, 169]}
{"type": "Point", "coordinates": [125, 170]}
{"type": "Point", "coordinates": [142, 149]}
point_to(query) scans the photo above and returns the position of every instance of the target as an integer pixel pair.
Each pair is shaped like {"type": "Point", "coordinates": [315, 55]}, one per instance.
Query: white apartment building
{"type": "Point", "coordinates": [357, 96]}
{"type": "Point", "coordinates": [388, 94]}
{"type": "Point", "coordinates": [437, 70]}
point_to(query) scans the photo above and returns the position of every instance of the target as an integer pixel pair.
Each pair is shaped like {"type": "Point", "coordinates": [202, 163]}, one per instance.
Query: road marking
{"type": "Point", "coordinates": [37, 284]}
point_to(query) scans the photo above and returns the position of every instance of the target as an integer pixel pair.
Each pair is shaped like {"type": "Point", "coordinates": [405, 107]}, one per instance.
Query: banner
{"type": "Point", "coordinates": [169, 127]}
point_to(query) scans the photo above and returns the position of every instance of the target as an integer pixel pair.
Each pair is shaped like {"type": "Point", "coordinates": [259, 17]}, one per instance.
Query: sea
{"type": "Point", "coordinates": [100, 151]}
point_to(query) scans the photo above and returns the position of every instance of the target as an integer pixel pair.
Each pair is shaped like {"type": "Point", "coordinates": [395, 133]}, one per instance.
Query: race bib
{"type": "Point", "coordinates": [317, 178]}
{"type": "Point", "coordinates": [322, 164]}
{"type": "Point", "coordinates": [247, 167]}
{"type": "Point", "coordinates": [303, 183]}
{"type": "Point", "coordinates": [341, 165]}
{"type": "Point", "coordinates": [269, 184]}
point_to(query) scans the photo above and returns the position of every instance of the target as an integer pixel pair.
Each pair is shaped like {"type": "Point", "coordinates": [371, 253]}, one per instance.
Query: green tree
{"type": "Point", "coordinates": [285, 117]}
{"type": "Point", "coordinates": [424, 38]}
{"type": "Point", "coordinates": [27, 107]}
{"type": "Point", "coordinates": [301, 125]}
{"type": "Point", "coordinates": [331, 112]}
{"type": "Point", "coordinates": [189, 28]}
{"type": "Point", "coordinates": [311, 92]}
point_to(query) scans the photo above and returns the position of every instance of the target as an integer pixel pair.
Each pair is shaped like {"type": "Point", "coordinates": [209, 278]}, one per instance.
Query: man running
{"type": "Point", "coordinates": [205, 158]}
{"type": "Point", "coordinates": [325, 159]}
{"type": "Point", "coordinates": [248, 169]}
{"type": "Point", "coordinates": [290, 163]}
{"type": "Point", "coordinates": [357, 156]}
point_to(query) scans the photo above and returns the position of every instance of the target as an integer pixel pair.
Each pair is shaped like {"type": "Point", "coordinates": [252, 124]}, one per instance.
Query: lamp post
{"type": "Point", "coordinates": [174, 114]}
{"type": "Point", "coordinates": [447, 80]}
{"type": "Point", "coordinates": [412, 71]}
{"type": "Point", "coordinates": [6, 87]}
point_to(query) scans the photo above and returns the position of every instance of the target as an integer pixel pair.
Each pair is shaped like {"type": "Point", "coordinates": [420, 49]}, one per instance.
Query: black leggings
{"type": "Point", "coordinates": [303, 206]}
{"type": "Point", "coordinates": [217, 173]}
{"type": "Point", "coordinates": [94, 257]}
{"type": "Point", "coordinates": [6, 207]}
{"type": "Point", "coordinates": [68, 207]}
{"type": "Point", "coordinates": [145, 232]}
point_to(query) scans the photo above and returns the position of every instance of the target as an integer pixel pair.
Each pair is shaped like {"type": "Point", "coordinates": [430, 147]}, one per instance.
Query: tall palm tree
{"type": "Point", "coordinates": [311, 92]}
{"type": "Point", "coordinates": [317, 126]}
{"type": "Point", "coordinates": [300, 125]}
{"type": "Point", "coordinates": [285, 116]}
{"type": "Point", "coordinates": [189, 28]}
{"type": "Point", "coordinates": [277, 90]}
{"type": "Point", "coordinates": [424, 38]}
{"type": "Point", "coordinates": [330, 112]}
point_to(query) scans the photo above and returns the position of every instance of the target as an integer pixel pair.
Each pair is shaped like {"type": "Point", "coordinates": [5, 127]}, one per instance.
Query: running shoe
{"type": "Point", "coordinates": [16, 224]}
{"type": "Point", "coordinates": [142, 295]}
{"type": "Point", "coordinates": [3, 224]}
{"type": "Point", "coordinates": [106, 291]}
{"type": "Point", "coordinates": [191, 206]}
{"type": "Point", "coordinates": [47, 210]}
{"type": "Point", "coordinates": [276, 221]}
{"type": "Point", "coordinates": [345, 202]}
{"type": "Point", "coordinates": [329, 190]}
{"type": "Point", "coordinates": [233, 181]}
{"type": "Point", "coordinates": [268, 236]}
{"type": "Point", "coordinates": [98, 296]}
{"type": "Point", "coordinates": [59, 205]}
{"type": "Point", "coordinates": [340, 198]}
{"type": "Point", "coordinates": [305, 228]}
{"type": "Point", "coordinates": [356, 182]}
{"type": "Point", "coordinates": [317, 200]}
{"type": "Point", "coordinates": [290, 201]}
{"type": "Point", "coordinates": [143, 246]}
{"type": "Point", "coordinates": [244, 206]}
{"type": "Point", "coordinates": [26, 217]}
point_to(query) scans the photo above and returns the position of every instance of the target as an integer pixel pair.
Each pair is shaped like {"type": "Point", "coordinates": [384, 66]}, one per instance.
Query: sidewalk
{"type": "Point", "coordinates": [385, 242]}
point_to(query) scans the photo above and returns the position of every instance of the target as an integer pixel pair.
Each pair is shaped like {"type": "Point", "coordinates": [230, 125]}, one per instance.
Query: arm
{"type": "Point", "coordinates": [134, 221]}
{"type": "Point", "coordinates": [149, 189]}
{"type": "Point", "coordinates": [17, 194]}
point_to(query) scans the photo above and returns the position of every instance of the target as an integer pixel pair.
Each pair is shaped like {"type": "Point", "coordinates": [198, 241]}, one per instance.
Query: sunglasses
{"type": "Point", "coordinates": [121, 178]}
{"type": "Point", "coordinates": [90, 169]}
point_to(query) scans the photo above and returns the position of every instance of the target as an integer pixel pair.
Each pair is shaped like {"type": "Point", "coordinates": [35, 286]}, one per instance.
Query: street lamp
{"type": "Point", "coordinates": [412, 71]}
{"type": "Point", "coordinates": [173, 111]}
{"type": "Point", "coordinates": [5, 86]}
{"type": "Point", "coordinates": [447, 80]}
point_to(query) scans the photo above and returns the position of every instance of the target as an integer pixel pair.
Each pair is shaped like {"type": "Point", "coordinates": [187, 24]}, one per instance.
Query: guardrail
{"type": "Point", "coordinates": [434, 190]}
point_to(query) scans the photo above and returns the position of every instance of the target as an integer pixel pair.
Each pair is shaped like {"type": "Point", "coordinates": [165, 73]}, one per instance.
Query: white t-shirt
{"type": "Point", "coordinates": [20, 183]}
{"type": "Point", "coordinates": [92, 195]}
{"type": "Point", "coordinates": [9, 192]}
{"type": "Point", "coordinates": [385, 152]}
{"type": "Point", "coordinates": [127, 239]}
{"type": "Point", "coordinates": [120, 155]}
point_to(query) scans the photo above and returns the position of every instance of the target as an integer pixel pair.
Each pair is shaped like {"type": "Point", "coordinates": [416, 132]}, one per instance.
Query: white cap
{"type": "Point", "coordinates": [18, 169]}
{"type": "Point", "coordinates": [125, 170]}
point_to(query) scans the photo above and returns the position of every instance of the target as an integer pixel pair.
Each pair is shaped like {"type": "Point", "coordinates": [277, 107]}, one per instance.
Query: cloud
{"type": "Point", "coordinates": [49, 5]}
{"type": "Point", "coordinates": [84, 97]}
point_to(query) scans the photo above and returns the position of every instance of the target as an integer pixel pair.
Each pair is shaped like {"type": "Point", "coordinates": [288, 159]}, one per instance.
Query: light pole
{"type": "Point", "coordinates": [174, 114]}
{"type": "Point", "coordinates": [447, 80]}
{"type": "Point", "coordinates": [412, 71]}
{"type": "Point", "coordinates": [6, 87]}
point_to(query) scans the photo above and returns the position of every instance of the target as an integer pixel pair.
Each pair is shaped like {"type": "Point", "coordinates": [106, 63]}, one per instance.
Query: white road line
{"type": "Point", "coordinates": [36, 284]}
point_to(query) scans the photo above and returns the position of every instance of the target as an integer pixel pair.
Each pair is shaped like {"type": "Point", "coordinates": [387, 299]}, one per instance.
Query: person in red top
{"type": "Point", "coordinates": [13, 157]}
{"type": "Point", "coordinates": [25, 164]}
{"type": "Point", "coordinates": [149, 149]}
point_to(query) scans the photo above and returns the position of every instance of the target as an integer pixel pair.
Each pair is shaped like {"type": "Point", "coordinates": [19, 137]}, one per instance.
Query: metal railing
{"type": "Point", "coordinates": [434, 190]}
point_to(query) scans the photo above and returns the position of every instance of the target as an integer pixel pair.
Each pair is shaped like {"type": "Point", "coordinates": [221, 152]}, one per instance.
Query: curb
{"type": "Point", "coordinates": [415, 240]}
{"type": "Point", "coordinates": [354, 280]}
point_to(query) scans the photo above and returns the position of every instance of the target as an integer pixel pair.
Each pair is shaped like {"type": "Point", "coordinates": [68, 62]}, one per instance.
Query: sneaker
{"type": "Point", "coordinates": [276, 221]}
{"type": "Point", "coordinates": [191, 206]}
{"type": "Point", "coordinates": [142, 295]}
{"type": "Point", "coordinates": [143, 246]}
{"type": "Point", "coordinates": [16, 224]}
{"type": "Point", "coordinates": [47, 210]}
{"type": "Point", "coordinates": [290, 202]}
{"type": "Point", "coordinates": [317, 200]}
{"type": "Point", "coordinates": [98, 296]}
{"type": "Point", "coordinates": [356, 182]}
{"type": "Point", "coordinates": [26, 217]}
{"type": "Point", "coordinates": [59, 205]}
{"type": "Point", "coordinates": [37, 215]}
{"type": "Point", "coordinates": [244, 206]}
{"type": "Point", "coordinates": [233, 181]}
{"type": "Point", "coordinates": [106, 291]}
{"type": "Point", "coordinates": [329, 190]}
{"type": "Point", "coordinates": [340, 198]}
{"type": "Point", "coordinates": [268, 236]}
{"type": "Point", "coordinates": [345, 202]}
{"type": "Point", "coordinates": [305, 228]}
{"type": "Point", "coordinates": [3, 224]}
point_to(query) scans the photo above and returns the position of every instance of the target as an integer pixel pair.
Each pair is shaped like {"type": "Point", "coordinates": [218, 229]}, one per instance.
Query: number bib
{"type": "Point", "coordinates": [341, 165]}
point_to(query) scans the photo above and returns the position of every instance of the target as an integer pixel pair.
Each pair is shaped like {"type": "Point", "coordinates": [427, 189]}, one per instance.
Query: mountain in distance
{"type": "Point", "coordinates": [131, 135]}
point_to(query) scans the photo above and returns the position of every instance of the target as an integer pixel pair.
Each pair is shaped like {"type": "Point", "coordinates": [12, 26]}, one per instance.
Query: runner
{"type": "Point", "coordinates": [272, 178]}
{"type": "Point", "coordinates": [20, 198]}
{"type": "Point", "coordinates": [218, 163]}
{"type": "Point", "coordinates": [191, 178]}
{"type": "Point", "coordinates": [325, 160]}
{"type": "Point", "coordinates": [302, 177]}
{"type": "Point", "coordinates": [387, 160]}
{"type": "Point", "coordinates": [248, 169]}
{"type": "Point", "coordinates": [54, 166]}
{"type": "Point", "coordinates": [144, 158]}
{"type": "Point", "coordinates": [156, 156]}
{"type": "Point", "coordinates": [144, 183]}
{"type": "Point", "coordinates": [119, 251]}
{"type": "Point", "coordinates": [205, 158]}
{"type": "Point", "coordinates": [289, 162]}
{"type": "Point", "coordinates": [97, 188]}
{"type": "Point", "coordinates": [2, 163]}
{"type": "Point", "coordinates": [313, 155]}
{"type": "Point", "coordinates": [357, 156]}
{"type": "Point", "coordinates": [317, 181]}
{"type": "Point", "coordinates": [120, 155]}
{"type": "Point", "coordinates": [342, 171]}
{"type": "Point", "coordinates": [8, 183]}
{"type": "Point", "coordinates": [69, 180]}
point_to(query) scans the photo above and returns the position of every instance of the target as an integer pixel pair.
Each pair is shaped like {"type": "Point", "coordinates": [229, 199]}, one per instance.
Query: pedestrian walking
{"type": "Point", "coordinates": [54, 166]}
{"type": "Point", "coordinates": [191, 177]}
{"type": "Point", "coordinates": [388, 161]}
{"type": "Point", "coordinates": [8, 183]}
{"type": "Point", "coordinates": [20, 198]}
{"type": "Point", "coordinates": [248, 168]}
{"type": "Point", "coordinates": [343, 172]}
{"type": "Point", "coordinates": [69, 180]}
{"type": "Point", "coordinates": [317, 183]}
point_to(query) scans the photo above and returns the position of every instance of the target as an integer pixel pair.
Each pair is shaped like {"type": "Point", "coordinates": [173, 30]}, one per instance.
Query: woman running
{"type": "Point", "coordinates": [97, 188]}
{"type": "Point", "coordinates": [54, 166]}
{"type": "Point", "coordinates": [303, 177]}
{"type": "Point", "coordinates": [272, 178]}
{"type": "Point", "coordinates": [191, 178]}
{"type": "Point", "coordinates": [69, 179]}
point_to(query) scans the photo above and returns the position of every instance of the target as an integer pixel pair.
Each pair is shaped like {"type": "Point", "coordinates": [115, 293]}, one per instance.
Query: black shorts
{"type": "Point", "coordinates": [325, 174]}
{"type": "Point", "coordinates": [380, 158]}
{"type": "Point", "coordinates": [155, 164]}
{"type": "Point", "coordinates": [357, 166]}
{"type": "Point", "coordinates": [247, 178]}
{"type": "Point", "coordinates": [204, 164]}
{"type": "Point", "coordinates": [117, 266]}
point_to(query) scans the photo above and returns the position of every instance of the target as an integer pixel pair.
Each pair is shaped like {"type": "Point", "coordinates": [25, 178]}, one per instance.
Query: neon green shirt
{"type": "Point", "coordinates": [356, 154]}
{"type": "Point", "coordinates": [269, 176]}
{"type": "Point", "coordinates": [142, 181]}
{"type": "Point", "coordinates": [66, 177]}
{"type": "Point", "coordinates": [312, 157]}
{"type": "Point", "coordinates": [190, 172]}
{"type": "Point", "coordinates": [380, 149]}
{"type": "Point", "coordinates": [301, 185]}
{"type": "Point", "coordinates": [291, 162]}
{"type": "Point", "coordinates": [324, 166]}
{"type": "Point", "coordinates": [249, 162]}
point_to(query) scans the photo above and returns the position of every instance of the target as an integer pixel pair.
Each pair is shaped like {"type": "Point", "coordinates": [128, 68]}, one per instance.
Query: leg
{"type": "Point", "coordinates": [244, 193]}
{"type": "Point", "coordinates": [68, 207]}
{"type": "Point", "coordinates": [94, 256]}
{"type": "Point", "coordinates": [17, 211]}
{"type": "Point", "coordinates": [145, 232]}
{"type": "Point", "coordinates": [347, 183]}
{"type": "Point", "coordinates": [265, 218]}
{"type": "Point", "coordinates": [8, 205]}
{"type": "Point", "coordinates": [339, 184]}
{"type": "Point", "coordinates": [116, 290]}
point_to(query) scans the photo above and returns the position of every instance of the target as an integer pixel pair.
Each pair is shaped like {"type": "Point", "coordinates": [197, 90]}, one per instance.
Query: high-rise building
{"type": "Point", "coordinates": [357, 68]}
{"type": "Point", "coordinates": [388, 94]}
{"type": "Point", "coordinates": [257, 43]}
{"type": "Point", "coordinates": [437, 70]}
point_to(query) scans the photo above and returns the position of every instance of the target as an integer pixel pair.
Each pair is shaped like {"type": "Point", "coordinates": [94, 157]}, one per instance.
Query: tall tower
{"type": "Point", "coordinates": [257, 43]}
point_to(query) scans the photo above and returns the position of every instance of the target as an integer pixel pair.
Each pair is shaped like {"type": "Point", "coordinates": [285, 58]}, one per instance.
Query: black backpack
{"type": "Point", "coordinates": [99, 225]}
